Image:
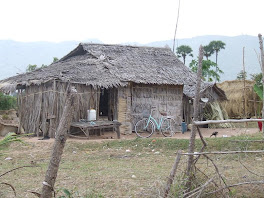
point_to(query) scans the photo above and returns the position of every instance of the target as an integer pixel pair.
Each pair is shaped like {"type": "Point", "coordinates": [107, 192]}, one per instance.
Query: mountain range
{"type": "Point", "coordinates": [16, 56]}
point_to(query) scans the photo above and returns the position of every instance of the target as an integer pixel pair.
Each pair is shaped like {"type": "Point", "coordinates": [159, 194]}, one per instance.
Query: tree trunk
{"type": "Point", "coordinates": [262, 69]}
{"type": "Point", "coordinates": [60, 140]}
{"type": "Point", "coordinates": [195, 118]}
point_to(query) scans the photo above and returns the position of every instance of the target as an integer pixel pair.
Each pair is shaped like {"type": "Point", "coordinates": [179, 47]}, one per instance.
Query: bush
{"type": "Point", "coordinates": [7, 102]}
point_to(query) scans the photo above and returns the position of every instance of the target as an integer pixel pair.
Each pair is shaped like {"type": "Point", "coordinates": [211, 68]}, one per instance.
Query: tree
{"type": "Point", "coordinates": [216, 46]}
{"type": "Point", "coordinates": [208, 51]}
{"type": "Point", "coordinates": [208, 73]}
{"type": "Point", "coordinates": [183, 51]}
{"type": "Point", "coordinates": [55, 59]}
{"type": "Point", "coordinates": [242, 75]}
{"type": "Point", "coordinates": [31, 68]}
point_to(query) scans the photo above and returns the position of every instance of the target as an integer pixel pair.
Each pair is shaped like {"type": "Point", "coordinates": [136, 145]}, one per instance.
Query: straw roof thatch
{"type": "Point", "coordinates": [235, 94]}
{"type": "Point", "coordinates": [189, 90]}
{"type": "Point", "coordinates": [110, 66]}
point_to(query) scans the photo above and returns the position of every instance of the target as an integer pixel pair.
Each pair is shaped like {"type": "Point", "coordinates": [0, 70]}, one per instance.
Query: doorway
{"type": "Point", "coordinates": [104, 103]}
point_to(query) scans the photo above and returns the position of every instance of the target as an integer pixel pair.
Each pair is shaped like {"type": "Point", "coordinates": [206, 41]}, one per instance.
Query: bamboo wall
{"type": "Point", "coordinates": [41, 106]}
{"type": "Point", "coordinates": [164, 97]}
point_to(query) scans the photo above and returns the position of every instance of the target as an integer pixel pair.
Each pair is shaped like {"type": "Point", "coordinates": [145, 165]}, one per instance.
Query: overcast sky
{"type": "Point", "coordinates": [119, 21]}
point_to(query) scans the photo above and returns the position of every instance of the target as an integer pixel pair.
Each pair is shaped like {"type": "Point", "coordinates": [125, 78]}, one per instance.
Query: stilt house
{"type": "Point", "coordinates": [118, 81]}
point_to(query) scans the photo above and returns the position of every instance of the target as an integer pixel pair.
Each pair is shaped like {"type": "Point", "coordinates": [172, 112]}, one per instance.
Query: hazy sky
{"type": "Point", "coordinates": [118, 21]}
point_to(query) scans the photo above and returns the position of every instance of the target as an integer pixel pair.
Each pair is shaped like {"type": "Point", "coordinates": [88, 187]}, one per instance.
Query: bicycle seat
{"type": "Point", "coordinates": [163, 113]}
{"type": "Point", "coordinates": [169, 117]}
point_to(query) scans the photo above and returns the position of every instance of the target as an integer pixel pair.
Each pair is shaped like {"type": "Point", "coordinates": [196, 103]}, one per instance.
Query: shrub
{"type": "Point", "coordinates": [7, 102]}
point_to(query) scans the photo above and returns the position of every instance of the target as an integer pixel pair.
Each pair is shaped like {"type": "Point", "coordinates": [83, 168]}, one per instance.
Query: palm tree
{"type": "Point", "coordinates": [216, 46]}
{"type": "Point", "coordinates": [183, 51]}
{"type": "Point", "coordinates": [208, 51]}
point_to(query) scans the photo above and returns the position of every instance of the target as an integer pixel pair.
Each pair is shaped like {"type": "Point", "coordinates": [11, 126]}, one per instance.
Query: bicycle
{"type": "Point", "coordinates": [145, 127]}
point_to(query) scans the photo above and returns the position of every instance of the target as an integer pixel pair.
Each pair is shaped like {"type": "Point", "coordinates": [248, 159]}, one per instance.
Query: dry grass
{"type": "Point", "coordinates": [105, 169]}
{"type": "Point", "coordinates": [234, 92]}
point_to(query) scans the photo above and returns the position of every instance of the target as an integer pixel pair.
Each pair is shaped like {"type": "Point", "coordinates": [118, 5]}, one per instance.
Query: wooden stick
{"type": "Point", "coordinates": [262, 69]}
{"type": "Point", "coordinates": [172, 174]}
{"type": "Point", "coordinates": [195, 117]}
{"type": "Point", "coordinates": [246, 140]}
{"type": "Point", "coordinates": [226, 121]}
{"type": "Point", "coordinates": [60, 140]}
{"type": "Point", "coordinates": [223, 152]}
{"type": "Point", "coordinates": [238, 184]}
{"type": "Point", "coordinates": [204, 144]}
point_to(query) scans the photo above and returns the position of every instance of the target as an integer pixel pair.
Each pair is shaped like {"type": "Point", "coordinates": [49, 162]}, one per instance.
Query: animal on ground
{"type": "Point", "coordinates": [214, 134]}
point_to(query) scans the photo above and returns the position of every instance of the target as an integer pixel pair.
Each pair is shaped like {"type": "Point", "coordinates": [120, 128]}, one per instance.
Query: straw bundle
{"type": "Point", "coordinates": [237, 93]}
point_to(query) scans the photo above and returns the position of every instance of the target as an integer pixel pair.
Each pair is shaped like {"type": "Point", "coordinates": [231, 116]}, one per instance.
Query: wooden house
{"type": "Point", "coordinates": [118, 81]}
{"type": "Point", "coordinates": [210, 92]}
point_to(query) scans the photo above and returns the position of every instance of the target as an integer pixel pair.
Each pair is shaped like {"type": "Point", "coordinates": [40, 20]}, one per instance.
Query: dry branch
{"type": "Point", "coordinates": [226, 121]}
{"type": "Point", "coordinates": [15, 169]}
{"type": "Point", "coordinates": [223, 152]}
{"type": "Point", "coordinates": [172, 174]}
{"type": "Point", "coordinates": [238, 184]}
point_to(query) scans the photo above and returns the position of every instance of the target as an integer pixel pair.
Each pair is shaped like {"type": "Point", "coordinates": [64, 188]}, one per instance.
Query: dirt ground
{"type": "Point", "coordinates": [108, 136]}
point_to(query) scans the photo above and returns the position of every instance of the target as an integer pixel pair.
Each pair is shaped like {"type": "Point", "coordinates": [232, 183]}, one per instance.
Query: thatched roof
{"type": "Point", "coordinates": [189, 90]}
{"type": "Point", "coordinates": [110, 66]}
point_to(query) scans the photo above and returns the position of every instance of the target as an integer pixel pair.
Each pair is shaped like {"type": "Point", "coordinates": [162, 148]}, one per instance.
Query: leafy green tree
{"type": "Point", "coordinates": [208, 51]}
{"type": "Point", "coordinates": [31, 68]}
{"type": "Point", "coordinates": [208, 71]}
{"type": "Point", "coordinates": [7, 102]}
{"type": "Point", "coordinates": [183, 51]}
{"type": "Point", "coordinates": [242, 75]}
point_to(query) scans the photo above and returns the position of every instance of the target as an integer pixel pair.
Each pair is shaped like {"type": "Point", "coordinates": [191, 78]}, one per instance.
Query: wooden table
{"type": "Point", "coordinates": [86, 126]}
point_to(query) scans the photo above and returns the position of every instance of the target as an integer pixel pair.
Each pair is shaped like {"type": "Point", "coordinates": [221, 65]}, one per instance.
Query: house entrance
{"type": "Point", "coordinates": [104, 103]}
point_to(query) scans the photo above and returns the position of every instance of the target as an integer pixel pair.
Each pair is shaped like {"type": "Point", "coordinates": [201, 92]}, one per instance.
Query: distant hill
{"type": "Point", "coordinates": [230, 60]}
{"type": "Point", "coordinates": [16, 56]}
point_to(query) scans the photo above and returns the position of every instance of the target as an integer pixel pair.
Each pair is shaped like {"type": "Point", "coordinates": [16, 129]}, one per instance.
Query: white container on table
{"type": "Point", "coordinates": [91, 115]}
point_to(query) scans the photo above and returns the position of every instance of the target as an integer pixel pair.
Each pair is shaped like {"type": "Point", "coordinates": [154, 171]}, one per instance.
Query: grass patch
{"type": "Point", "coordinates": [123, 168]}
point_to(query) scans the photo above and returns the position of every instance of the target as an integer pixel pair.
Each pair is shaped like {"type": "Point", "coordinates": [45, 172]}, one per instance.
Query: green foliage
{"type": "Point", "coordinates": [10, 137]}
{"type": "Point", "coordinates": [257, 78]}
{"type": "Point", "coordinates": [208, 73]}
{"type": "Point", "coordinates": [259, 91]}
{"type": "Point", "coordinates": [208, 51]}
{"type": "Point", "coordinates": [55, 59]}
{"type": "Point", "coordinates": [7, 102]}
{"type": "Point", "coordinates": [183, 51]}
{"type": "Point", "coordinates": [31, 68]}
{"type": "Point", "coordinates": [242, 75]}
{"type": "Point", "coordinates": [258, 87]}
{"type": "Point", "coordinates": [216, 46]}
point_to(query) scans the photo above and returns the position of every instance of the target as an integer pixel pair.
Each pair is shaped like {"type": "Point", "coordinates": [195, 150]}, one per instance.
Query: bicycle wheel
{"type": "Point", "coordinates": [144, 128]}
{"type": "Point", "coordinates": [168, 127]}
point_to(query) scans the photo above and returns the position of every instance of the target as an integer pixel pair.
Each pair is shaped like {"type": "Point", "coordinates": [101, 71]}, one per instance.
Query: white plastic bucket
{"type": "Point", "coordinates": [91, 115]}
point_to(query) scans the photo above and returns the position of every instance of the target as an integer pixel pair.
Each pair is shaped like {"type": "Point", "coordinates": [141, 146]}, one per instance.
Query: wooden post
{"type": "Point", "coordinates": [60, 140]}
{"type": "Point", "coordinates": [262, 69]}
{"type": "Point", "coordinates": [172, 174]}
{"type": "Point", "coordinates": [195, 118]}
